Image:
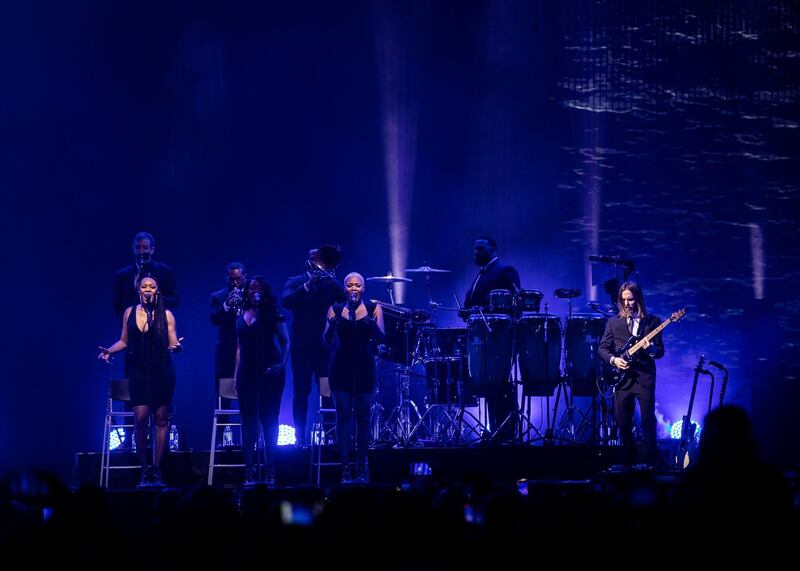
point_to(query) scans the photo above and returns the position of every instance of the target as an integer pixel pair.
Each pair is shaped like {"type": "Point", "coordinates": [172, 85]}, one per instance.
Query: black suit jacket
{"type": "Point", "coordinates": [226, 343]}
{"type": "Point", "coordinates": [309, 308]}
{"type": "Point", "coordinates": [496, 276]}
{"type": "Point", "coordinates": [643, 368]}
{"type": "Point", "coordinates": [125, 294]}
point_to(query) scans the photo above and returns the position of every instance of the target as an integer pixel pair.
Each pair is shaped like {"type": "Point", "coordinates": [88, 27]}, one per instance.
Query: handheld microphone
{"type": "Point", "coordinates": [148, 297]}
{"type": "Point", "coordinates": [257, 297]}
{"type": "Point", "coordinates": [352, 303]}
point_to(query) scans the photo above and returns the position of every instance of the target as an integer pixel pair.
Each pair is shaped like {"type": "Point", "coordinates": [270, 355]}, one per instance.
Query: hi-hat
{"type": "Point", "coordinates": [427, 270]}
{"type": "Point", "coordinates": [389, 279]}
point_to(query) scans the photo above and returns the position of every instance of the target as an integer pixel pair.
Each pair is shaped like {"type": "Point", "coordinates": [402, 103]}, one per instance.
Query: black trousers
{"type": "Point", "coordinates": [624, 403]}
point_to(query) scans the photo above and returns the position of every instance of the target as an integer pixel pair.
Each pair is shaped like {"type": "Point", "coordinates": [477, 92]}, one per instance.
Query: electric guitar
{"type": "Point", "coordinates": [612, 375]}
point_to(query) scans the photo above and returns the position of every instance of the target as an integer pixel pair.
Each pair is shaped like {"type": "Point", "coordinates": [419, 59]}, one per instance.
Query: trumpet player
{"type": "Point", "coordinates": [226, 305]}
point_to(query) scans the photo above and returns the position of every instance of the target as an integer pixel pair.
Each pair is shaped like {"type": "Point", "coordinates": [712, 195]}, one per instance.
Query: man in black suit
{"type": "Point", "coordinates": [639, 383]}
{"type": "Point", "coordinates": [493, 275]}
{"type": "Point", "coordinates": [308, 296]}
{"type": "Point", "coordinates": [226, 306]}
{"type": "Point", "coordinates": [126, 281]}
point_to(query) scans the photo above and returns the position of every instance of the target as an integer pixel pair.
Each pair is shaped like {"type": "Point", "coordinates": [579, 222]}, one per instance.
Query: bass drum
{"type": "Point", "coordinates": [539, 350]}
{"type": "Point", "coordinates": [489, 353]}
{"type": "Point", "coordinates": [581, 337]}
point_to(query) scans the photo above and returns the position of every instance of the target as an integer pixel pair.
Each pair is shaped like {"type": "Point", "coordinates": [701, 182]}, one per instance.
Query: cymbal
{"type": "Point", "coordinates": [427, 270]}
{"type": "Point", "coordinates": [389, 279]}
{"type": "Point", "coordinates": [567, 293]}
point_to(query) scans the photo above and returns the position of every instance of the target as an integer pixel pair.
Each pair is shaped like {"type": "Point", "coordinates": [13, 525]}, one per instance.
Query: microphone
{"type": "Point", "coordinates": [257, 297]}
{"type": "Point", "coordinates": [352, 304]}
{"type": "Point", "coordinates": [142, 260]}
{"type": "Point", "coordinates": [148, 297]}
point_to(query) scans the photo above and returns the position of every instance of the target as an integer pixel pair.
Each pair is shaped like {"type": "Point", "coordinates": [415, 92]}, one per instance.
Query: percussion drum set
{"type": "Point", "coordinates": [514, 344]}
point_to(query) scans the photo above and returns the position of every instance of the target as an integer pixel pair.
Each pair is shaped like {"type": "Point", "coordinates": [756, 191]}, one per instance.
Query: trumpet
{"type": "Point", "coordinates": [235, 300]}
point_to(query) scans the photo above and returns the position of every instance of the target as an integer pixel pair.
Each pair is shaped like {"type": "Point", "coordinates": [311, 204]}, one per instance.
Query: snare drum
{"type": "Point", "coordinates": [539, 349]}
{"type": "Point", "coordinates": [581, 337]}
{"type": "Point", "coordinates": [489, 353]}
{"type": "Point", "coordinates": [500, 302]}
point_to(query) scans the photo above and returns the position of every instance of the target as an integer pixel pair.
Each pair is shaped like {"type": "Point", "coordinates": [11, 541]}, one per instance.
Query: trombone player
{"type": "Point", "coordinates": [308, 296]}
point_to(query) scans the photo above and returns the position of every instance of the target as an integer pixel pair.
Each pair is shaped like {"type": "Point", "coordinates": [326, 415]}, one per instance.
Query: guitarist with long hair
{"type": "Point", "coordinates": [636, 374]}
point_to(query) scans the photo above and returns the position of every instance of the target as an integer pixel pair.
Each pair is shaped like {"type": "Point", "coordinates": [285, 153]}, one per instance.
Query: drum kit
{"type": "Point", "coordinates": [514, 343]}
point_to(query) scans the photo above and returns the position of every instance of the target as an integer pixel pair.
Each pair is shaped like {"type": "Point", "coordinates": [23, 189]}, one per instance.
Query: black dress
{"type": "Point", "coordinates": [259, 392]}
{"type": "Point", "coordinates": [150, 370]}
{"type": "Point", "coordinates": [353, 363]}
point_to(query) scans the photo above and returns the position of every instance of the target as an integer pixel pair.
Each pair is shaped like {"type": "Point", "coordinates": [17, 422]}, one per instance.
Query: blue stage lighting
{"type": "Point", "coordinates": [286, 435]}
{"type": "Point", "coordinates": [675, 431]}
{"type": "Point", "coordinates": [116, 438]}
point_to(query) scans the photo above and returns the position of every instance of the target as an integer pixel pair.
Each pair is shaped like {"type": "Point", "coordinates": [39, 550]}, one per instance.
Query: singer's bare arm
{"type": "Point", "coordinates": [326, 334]}
{"type": "Point", "coordinates": [172, 336]}
{"type": "Point", "coordinates": [378, 313]}
{"type": "Point", "coordinates": [121, 344]}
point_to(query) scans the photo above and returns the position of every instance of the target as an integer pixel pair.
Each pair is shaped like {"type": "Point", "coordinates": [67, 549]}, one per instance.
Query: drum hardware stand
{"type": "Point", "coordinates": [439, 421]}
{"type": "Point", "coordinates": [376, 410]}
{"type": "Point", "coordinates": [548, 438]}
{"type": "Point", "coordinates": [571, 426]}
{"type": "Point", "coordinates": [450, 426]}
{"type": "Point", "coordinates": [525, 424]}
{"type": "Point", "coordinates": [462, 428]}
{"type": "Point", "coordinates": [567, 425]}
{"type": "Point", "coordinates": [600, 416]}
{"type": "Point", "coordinates": [400, 415]}
{"type": "Point", "coordinates": [517, 414]}
{"type": "Point", "coordinates": [438, 415]}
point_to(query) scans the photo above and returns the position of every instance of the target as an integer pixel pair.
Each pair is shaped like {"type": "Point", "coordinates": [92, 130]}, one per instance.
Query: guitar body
{"type": "Point", "coordinates": [614, 376]}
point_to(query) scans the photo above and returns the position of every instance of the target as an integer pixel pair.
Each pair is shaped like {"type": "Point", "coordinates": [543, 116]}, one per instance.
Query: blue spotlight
{"type": "Point", "coordinates": [675, 431]}
{"type": "Point", "coordinates": [116, 438]}
{"type": "Point", "coordinates": [286, 435]}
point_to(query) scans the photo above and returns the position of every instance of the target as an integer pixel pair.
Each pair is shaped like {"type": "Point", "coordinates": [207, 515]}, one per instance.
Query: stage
{"type": "Point", "coordinates": [498, 464]}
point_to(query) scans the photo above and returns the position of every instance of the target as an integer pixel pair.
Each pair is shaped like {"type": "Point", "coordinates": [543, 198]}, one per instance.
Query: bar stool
{"type": "Point", "coordinates": [323, 435]}
{"type": "Point", "coordinates": [118, 391]}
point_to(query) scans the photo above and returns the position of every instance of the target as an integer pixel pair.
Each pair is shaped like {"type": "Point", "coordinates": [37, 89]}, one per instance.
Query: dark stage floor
{"type": "Point", "coordinates": [501, 465]}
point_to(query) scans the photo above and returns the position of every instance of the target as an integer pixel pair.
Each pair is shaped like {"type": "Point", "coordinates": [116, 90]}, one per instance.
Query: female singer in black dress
{"type": "Point", "coordinates": [356, 324]}
{"type": "Point", "coordinates": [260, 373]}
{"type": "Point", "coordinates": [148, 334]}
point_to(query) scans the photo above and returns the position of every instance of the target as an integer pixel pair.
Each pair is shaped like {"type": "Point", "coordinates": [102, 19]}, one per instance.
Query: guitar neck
{"type": "Point", "coordinates": [649, 337]}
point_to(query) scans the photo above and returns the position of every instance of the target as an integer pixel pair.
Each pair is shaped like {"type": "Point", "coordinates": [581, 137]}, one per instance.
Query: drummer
{"type": "Point", "coordinates": [493, 275]}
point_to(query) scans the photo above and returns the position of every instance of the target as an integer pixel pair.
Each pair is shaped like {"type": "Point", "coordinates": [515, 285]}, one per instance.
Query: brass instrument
{"type": "Point", "coordinates": [323, 261]}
